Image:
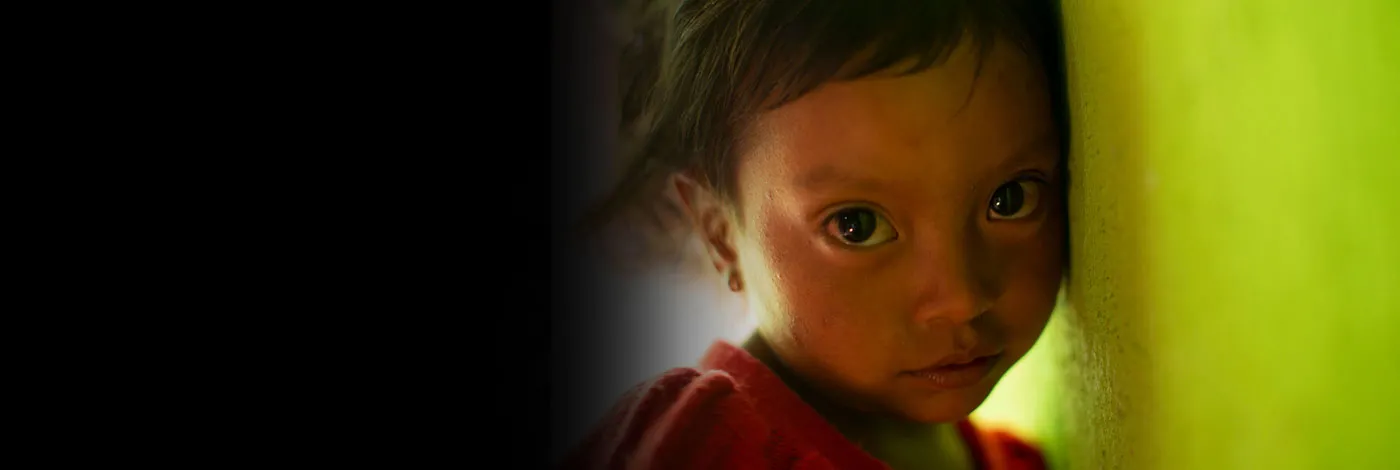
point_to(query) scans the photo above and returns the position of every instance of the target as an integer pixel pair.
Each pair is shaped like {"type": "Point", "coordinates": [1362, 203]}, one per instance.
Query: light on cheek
{"type": "Point", "coordinates": [766, 292]}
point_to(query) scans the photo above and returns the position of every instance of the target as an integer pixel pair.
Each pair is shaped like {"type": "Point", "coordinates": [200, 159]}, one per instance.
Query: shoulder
{"type": "Point", "coordinates": [684, 418]}
{"type": "Point", "coordinates": [1002, 449]}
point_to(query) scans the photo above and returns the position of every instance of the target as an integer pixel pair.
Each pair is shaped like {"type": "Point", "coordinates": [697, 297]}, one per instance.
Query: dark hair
{"type": "Point", "coordinates": [687, 100]}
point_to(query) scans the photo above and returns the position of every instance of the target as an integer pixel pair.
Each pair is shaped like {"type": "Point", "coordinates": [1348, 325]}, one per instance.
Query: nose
{"type": "Point", "coordinates": [955, 282]}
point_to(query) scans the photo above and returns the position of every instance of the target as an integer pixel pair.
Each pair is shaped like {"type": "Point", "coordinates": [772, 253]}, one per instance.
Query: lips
{"type": "Point", "coordinates": [957, 371]}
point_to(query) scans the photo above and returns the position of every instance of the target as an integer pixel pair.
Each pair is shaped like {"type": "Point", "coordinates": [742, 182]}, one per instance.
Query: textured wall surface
{"type": "Point", "coordinates": [1274, 259]}
{"type": "Point", "coordinates": [1105, 358]}
{"type": "Point", "coordinates": [1235, 284]}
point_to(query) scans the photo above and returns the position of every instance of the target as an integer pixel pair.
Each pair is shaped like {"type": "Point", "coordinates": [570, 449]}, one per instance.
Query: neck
{"type": "Point", "coordinates": [898, 442]}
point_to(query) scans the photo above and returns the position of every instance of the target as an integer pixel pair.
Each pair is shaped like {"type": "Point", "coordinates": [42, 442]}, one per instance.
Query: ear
{"type": "Point", "coordinates": [708, 216]}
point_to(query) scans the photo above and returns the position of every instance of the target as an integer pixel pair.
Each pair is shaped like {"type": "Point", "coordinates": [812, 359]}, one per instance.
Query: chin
{"type": "Point", "coordinates": [945, 407]}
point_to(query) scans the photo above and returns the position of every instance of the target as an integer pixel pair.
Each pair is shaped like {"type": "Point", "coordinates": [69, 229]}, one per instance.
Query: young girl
{"type": "Point", "coordinates": [883, 184]}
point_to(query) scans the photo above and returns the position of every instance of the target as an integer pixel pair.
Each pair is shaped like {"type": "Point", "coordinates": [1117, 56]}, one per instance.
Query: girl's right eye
{"type": "Point", "coordinates": [860, 226]}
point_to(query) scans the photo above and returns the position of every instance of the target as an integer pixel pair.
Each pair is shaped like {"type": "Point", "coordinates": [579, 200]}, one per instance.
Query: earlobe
{"type": "Point", "coordinates": [707, 215]}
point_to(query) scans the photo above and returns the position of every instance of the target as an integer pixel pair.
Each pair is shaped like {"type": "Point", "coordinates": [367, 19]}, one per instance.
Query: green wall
{"type": "Point", "coordinates": [1233, 298]}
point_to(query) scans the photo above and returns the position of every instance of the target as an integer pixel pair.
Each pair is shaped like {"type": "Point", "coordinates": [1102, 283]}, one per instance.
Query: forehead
{"type": "Point", "coordinates": [949, 122]}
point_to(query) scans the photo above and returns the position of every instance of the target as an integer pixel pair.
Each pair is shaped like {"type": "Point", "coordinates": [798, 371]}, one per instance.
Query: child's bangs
{"type": "Point", "coordinates": [787, 54]}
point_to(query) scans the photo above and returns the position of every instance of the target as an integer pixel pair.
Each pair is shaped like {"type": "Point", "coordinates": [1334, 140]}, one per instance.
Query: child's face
{"type": "Point", "coordinates": [871, 242]}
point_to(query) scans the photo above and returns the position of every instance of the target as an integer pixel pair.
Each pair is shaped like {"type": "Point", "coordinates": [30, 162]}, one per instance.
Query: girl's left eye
{"type": "Point", "coordinates": [1014, 200]}
{"type": "Point", "coordinates": [860, 226]}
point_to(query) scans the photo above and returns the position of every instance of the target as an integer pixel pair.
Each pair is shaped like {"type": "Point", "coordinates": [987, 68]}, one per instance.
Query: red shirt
{"type": "Point", "coordinates": [734, 412]}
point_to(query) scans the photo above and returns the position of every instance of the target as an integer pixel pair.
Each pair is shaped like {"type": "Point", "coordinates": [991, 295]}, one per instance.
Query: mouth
{"type": "Point", "coordinates": [956, 372]}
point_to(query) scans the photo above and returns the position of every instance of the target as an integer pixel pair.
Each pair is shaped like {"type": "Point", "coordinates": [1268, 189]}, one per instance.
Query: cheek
{"type": "Point", "coordinates": [1033, 283]}
{"type": "Point", "coordinates": [825, 312]}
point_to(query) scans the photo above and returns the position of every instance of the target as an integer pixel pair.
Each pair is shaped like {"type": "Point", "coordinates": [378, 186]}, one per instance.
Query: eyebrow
{"type": "Point", "coordinates": [828, 175]}
{"type": "Point", "coordinates": [1032, 149]}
